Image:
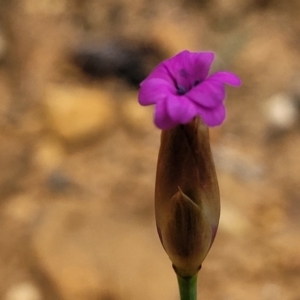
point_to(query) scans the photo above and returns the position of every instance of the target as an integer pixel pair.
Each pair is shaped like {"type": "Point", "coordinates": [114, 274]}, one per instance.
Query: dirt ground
{"type": "Point", "coordinates": [78, 154]}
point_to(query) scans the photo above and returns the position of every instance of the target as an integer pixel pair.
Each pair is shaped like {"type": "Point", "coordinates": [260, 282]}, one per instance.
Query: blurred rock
{"type": "Point", "coordinates": [281, 111]}
{"type": "Point", "coordinates": [225, 15]}
{"type": "Point", "coordinates": [174, 37]}
{"type": "Point", "coordinates": [236, 163]}
{"type": "Point", "coordinates": [257, 54]}
{"type": "Point", "coordinates": [135, 116]}
{"type": "Point", "coordinates": [231, 7]}
{"type": "Point", "coordinates": [49, 153]}
{"type": "Point", "coordinates": [57, 181]}
{"type": "Point", "coordinates": [49, 157]}
{"type": "Point", "coordinates": [271, 291]}
{"type": "Point", "coordinates": [233, 221]}
{"type": "Point", "coordinates": [45, 7]}
{"type": "Point", "coordinates": [14, 162]}
{"type": "Point", "coordinates": [77, 114]}
{"type": "Point", "coordinates": [23, 291]}
{"type": "Point", "coordinates": [115, 58]}
{"type": "Point", "coordinates": [86, 254]}
{"type": "Point", "coordinates": [21, 209]}
{"type": "Point", "coordinates": [59, 245]}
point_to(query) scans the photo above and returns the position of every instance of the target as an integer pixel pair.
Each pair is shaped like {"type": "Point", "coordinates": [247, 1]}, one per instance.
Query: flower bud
{"type": "Point", "coordinates": [187, 200]}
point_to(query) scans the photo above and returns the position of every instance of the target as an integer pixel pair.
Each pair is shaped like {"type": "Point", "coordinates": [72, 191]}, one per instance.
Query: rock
{"type": "Point", "coordinates": [45, 7]}
{"type": "Point", "coordinates": [281, 111]}
{"type": "Point", "coordinates": [49, 153]}
{"type": "Point", "coordinates": [173, 37]}
{"type": "Point", "coordinates": [112, 58]}
{"type": "Point", "coordinates": [231, 7]}
{"type": "Point", "coordinates": [237, 163]}
{"type": "Point", "coordinates": [23, 291]}
{"type": "Point", "coordinates": [14, 161]}
{"type": "Point", "coordinates": [257, 54]}
{"type": "Point", "coordinates": [79, 113]}
{"type": "Point", "coordinates": [137, 117]}
{"type": "Point", "coordinates": [57, 181]}
{"type": "Point", "coordinates": [271, 291]}
{"type": "Point", "coordinates": [87, 254]}
{"type": "Point", "coordinates": [233, 222]}
{"type": "Point", "coordinates": [21, 209]}
{"type": "Point", "coordinates": [225, 15]}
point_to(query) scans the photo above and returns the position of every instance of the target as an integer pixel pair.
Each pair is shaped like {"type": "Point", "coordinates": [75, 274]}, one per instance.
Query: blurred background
{"type": "Point", "coordinates": [78, 154]}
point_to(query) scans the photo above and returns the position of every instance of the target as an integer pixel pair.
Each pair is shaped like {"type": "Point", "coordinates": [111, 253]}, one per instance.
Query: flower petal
{"type": "Point", "coordinates": [208, 93]}
{"type": "Point", "coordinates": [179, 69]}
{"type": "Point", "coordinates": [200, 64]}
{"type": "Point", "coordinates": [226, 77]}
{"type": "Point", "coordinates": [160, 72]}
{"type": "Point", "coordinates": [212, 117]}
{"type": "Point", "coordinates": [187, 67]}
{"type": "Point", "coordinates": [161, 116]}
{"type": "Point", "coordinates": [180, 109]}
{"type": "Point", "coordinates": [154, 90]}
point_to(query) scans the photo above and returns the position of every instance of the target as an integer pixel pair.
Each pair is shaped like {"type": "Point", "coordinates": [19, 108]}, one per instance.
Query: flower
{"type": "Point", "coordinates": [181, 90]}
{"type": "Point", "coordinates": [187, 199]}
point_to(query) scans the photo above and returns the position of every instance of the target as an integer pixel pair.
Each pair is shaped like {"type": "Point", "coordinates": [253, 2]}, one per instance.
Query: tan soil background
{"type": "Point", "coordinates": [78, 156]}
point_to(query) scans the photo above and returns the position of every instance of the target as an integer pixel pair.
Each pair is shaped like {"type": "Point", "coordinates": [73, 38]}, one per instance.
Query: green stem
{"type": "Point", "coordinates": [187, 287]}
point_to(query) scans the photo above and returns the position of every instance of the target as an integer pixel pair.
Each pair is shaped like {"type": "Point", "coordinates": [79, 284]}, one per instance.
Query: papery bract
{"type": "Point", "coordinates": [181, 89]}
{"type": "Point", "coordinates": [187, 200]}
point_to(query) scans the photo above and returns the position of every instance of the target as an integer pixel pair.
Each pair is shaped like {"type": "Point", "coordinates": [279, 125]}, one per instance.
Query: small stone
{"type": "Point", "coordinates": [62, 250]}
{"type": "Point", "coordinates": [237, 163]}
{"type": "Point", "coordinates": [111, 58]}
{"type": "Point", "coordinates": [23, 291]}
{"type": "Point", "coordinates": [85, 252]}
{"type": "Point", "coordinates": [231, 7]}
{"type": "Point", "coordinates": [45, 7]}
{"type": "Point", "coordinates": [271, 291]}
{"type": "Point", "coordinates": [57, 182]}
{"type": "Point", "coordinates": [14, 161]}
{"type": "Point", "coordinates": [173, 38]}
{"type": "Point", "coordinates": [49, 153]}
{"type": "Point", "coordinates": [135, 116]}
{"type": "Point", "coordinates": [281, 111]}
{"type": "Point", "coordinates": [22, 209]}
{"type": "Point", "coordinates": [233, 222]}
{"type": "Point", "coordinates": [79, 113]}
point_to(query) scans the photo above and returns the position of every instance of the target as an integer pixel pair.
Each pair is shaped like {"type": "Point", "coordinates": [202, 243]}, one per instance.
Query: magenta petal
{"type": "Point", "coordinates": [161, 117]}
{"type": "Point", "coordinates": [159, 72]}
{"type": "Point", "coordinates": [226, 77]}
{"type": "Point", "coordinates": [212, 117]}
{"type": "Point", "coordinates": [154, 90]}
{"type": "Point", "coordinates": [187, 67]}
{"type": "Point", "coordinates": [200, 63]}
{"type": "Point", "coordinates": [180, 109]}
{"type": "Point", "coordinates": [208, 93]}
{"type": "Point", "coordinates": [177, 69]}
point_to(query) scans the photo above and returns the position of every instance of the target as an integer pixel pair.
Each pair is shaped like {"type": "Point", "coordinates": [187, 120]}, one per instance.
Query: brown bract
{"type": "Point", "coordinates": [187, 201]}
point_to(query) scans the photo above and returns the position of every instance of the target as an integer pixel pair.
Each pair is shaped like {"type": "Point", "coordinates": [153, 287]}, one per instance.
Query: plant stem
{"type": "Point", "coordinates": [187, 287]}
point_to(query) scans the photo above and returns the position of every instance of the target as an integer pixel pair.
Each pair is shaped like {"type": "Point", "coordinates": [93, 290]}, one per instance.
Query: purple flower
{"type": "Point", "coordinates": [181, 90]}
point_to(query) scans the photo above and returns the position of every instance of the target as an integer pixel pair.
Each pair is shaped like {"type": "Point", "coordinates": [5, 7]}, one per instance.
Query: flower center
{"type": "Point", "coordinates": [181, 90]}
